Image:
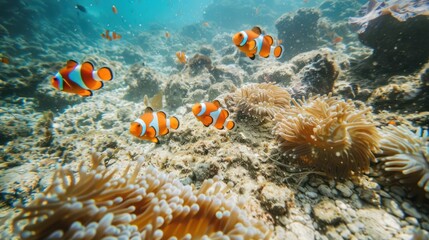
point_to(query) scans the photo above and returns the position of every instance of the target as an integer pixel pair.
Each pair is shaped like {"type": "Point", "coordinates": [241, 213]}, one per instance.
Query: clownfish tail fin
{"type": "Point", "coordinates": [230, 125]}
{"type": "Point", "coordinates": [278, 51]}
{"type": "Point", "coordinates": [105, 73]}
{"type": "Point", "coordinates": [174, 123]}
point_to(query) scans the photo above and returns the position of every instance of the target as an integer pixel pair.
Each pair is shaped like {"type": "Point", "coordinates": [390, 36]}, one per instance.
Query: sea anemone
{"type": "Point", "coordinates": [260, 100]}
{"type": "Point", "coordinates": [405, 155]}
{"type": "Point", "coordinates": [101, 203]}
{"type": "Point", "coordinates": [329, 135]}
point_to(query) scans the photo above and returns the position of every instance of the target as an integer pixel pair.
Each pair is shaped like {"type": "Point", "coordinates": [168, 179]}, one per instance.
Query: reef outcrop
{"type": "Point", "coordinates": [397, 31]}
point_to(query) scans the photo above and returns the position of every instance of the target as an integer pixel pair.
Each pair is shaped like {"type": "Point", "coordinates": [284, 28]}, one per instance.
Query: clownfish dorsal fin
{"type": "Point", "coordinates": [71, 63]}
{"type": "Point", "coordinates": [252, 45]}
{"type": "Point", "coordinates": [217, 103]}
{"type": "Point", "coordinates": [257, 30]}
{"type": "Point", "coordinates": [148, 110]}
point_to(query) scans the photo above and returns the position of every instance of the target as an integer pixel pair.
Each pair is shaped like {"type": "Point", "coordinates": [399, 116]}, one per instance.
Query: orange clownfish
{"type": "Point", "coordinates": [211, 113]}
{"type": "Point", "coordinates": [111, 35]}
{"type": "Point", "coordinates": [114, 9]}
{"type": "Point", "coordinates": [167, 35]}
{"type": "Point", "coordinates": [152, 124]}
{"type": "Point", "coordinates": [181, 57]}
{"type": "Point", "coordinates": [80, 78]}
{"type": "Point", "coordinates": [253, 42]}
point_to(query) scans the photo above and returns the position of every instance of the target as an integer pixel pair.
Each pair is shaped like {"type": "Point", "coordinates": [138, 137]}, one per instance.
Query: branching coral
{"type": "Point", "coordinates": [405, 155]}
{"type": "Point", "coordinates": [102, 203]}
{"type": "Point", "coordinates": [328, 134]}
{"type": "Point", "coordinates": [260, 100]}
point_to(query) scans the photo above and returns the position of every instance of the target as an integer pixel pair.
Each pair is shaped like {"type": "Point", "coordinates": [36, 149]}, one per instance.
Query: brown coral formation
{"type": "Point", "coordinates": [102, 203]}
{"type": "Point", "coordinates": [260, 100]}
{"type": "Point", "coordinates": [405, 155]}
{"type": "Point", "coordinates": [328, 134]}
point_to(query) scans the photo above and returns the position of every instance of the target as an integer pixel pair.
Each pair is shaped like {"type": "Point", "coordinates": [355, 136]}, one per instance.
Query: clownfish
{"type": "Point", "coordinates": [253, 42]}
{"type": "Point", "coordinates": [337, 40]}
{"type": "Point", "coordinates": [167, 35]}
{"type": "Point", "coordinates": [152, 124]}
{"type": "Point", "coordinates": [111, 35]}
{"type": "Point", "coordinates": [211, 113]}
{"type": "Point", "coordinates": [181, 57]}
{"type": "Point", "coordinates": [114, 9]}
{"type": "Point", "coordinates": [80, 78]}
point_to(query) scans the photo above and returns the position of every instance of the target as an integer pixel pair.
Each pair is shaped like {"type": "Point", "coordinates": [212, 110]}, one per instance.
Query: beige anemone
{"type": "Point", "coordinates": [405, 155]}
{"type": "Point", "coordinates": [260, 100]}
{"type": "Point", "coordinates": [100, 203]}
{"type": "Point", "coordinates": [328, 134]}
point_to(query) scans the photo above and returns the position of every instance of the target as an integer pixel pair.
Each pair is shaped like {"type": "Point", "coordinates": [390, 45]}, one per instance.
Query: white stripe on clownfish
{"type": "Point", "coordinates": [215, 115]}
{"type": "Point", "coordinates": [203, 109]}
{"type": "Point", "coordinates": [143, 124]}
{"type": "Point", "coordinates": [95, 76]}
{"type": "Point", "coordinates": [259, 40]}
{"type": "Point", "coordinates": [154, 123]}
{"type": "Point", "coordinates": [60, 81]}
{"type": "Point", "coordinates": [245, 37]}
{"type": "Point", "coordinates": [167, 123]}
{"type": "Point", "coordinates": [76, 76]}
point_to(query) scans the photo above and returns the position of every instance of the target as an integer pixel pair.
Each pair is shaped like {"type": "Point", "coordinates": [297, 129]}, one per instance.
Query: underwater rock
{"type": "Point", "coordinates": [198, 63]}
{"type": "Point", "coordinates": [280, 73]}
{"type": "Point", "coordinates": [327, 213]}
{"type": "Point", "coordinates": [316, 72]}
{"type": "Point", "coordinates": [275, 199]}
{"type": "Point", "coordinates": [142, 81]}
{"type": "Point", "coordinates": [397, 32]}
{"type": "Point", "coordinates": [232, 73]}
{"type": "Point", "coordinates": [298, 31]}
{"type": "Point", "coordinates": [220, 88]}
{"type": "Point", "coordinates": [197, 31]}
{"type": "Point", "coordinates": [175, 92]}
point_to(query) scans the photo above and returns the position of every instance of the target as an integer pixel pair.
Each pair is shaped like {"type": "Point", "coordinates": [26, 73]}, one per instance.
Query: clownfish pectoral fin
{"type": "Point", "coordinates": [269, 39]}
{"type": "Point", "coordinates": [207, 121]}
{"type": "Point", "coordinates": [230, 125]}
{"type": "Point", "coordinates": [87, 66]}
{"type": "Point", "coordinates": [216, 103]}
{"type": "Point", "coordinates": [257, 30]}
{"type": "Point", "coordinates": [148, 110]}
{"type": "Point", "coordinates": [71, 63]}
{"type": "Point", "coordinates": [252, 45]}
{"type": "Point", "coordinates": [151, 133]}
{"type": "Point", "coordinates": [105, 73]}
{"type": "Point", "coordinates": [252, 57]}
{"type": "Point", "coordinates": [278, 51]}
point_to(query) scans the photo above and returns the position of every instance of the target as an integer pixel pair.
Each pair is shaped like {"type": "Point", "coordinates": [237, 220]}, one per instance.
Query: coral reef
{"type": "Point", "coordinates": [405, 156]}
{"type": "Point", "coordinates": [328, 135]}
{"type": "Point", "coordinates": [198, 63]}
{"type": "Point", "coordinates": [298, 31]}
{"type": "Point", "coordinates": [103, 203]}
{"type": "Point", "coordinates": [397, 32]}
{"type": "Point", "coordinates": [259, 100]}
{"type": "Point", "coordinates": [142, 81]}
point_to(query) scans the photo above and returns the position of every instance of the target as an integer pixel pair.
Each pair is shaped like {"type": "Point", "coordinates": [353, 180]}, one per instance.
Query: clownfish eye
{"type": "Point", "coordinates": [55, 79]}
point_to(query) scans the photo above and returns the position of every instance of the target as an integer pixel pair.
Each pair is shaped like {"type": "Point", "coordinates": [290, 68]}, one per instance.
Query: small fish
{"type": "Point", "coordinates": [206, 24]}
{"type": "Point", "coordinates": [114, 9]}
{"type": "Point", "coordinates": [80, 8]}
{"type": "Point", "coordinates": [392, 122]}
{"type": "Point", "coordinates": [212, 114]}
{"type": "Point", "coordinates": [182, 57]}
{"type": "Point", "coordinates": [253, 42]}
{"type": "Point", "coordinates": [80, 78]}
{"type": "Point", "coordinates": [110, 35]}
{"type": "Point", "coordinates": [4, 60]}
{"type": "Point", "coordinates": [167, 35]}
{"type": "Point", "coordinates": [337, 40]}
{"type": "Point", "coordinates": [152, 124]}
